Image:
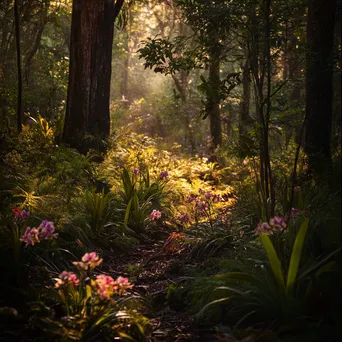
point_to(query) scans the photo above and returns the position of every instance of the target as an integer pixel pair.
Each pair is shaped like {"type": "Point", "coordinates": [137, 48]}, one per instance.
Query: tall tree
{"type": "Point", "coordinates": [213, 96]}
{"type": "Point", "coordinates": [87, 111]}
{"type": "Point", "coordinates": [20, 80]}
{"type": "Point", "coordinates": [244, 118]}
{"type": "Point", "coordinates": [319, 80]}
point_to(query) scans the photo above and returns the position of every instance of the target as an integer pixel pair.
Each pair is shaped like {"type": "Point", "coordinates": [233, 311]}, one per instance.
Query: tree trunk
{"type": "Point", "coordinates": [319, 72]}
{"type": "Point", "coordinates": [293, 66]}
{"type": "Point", "coordinates": [124, 83]}
{"type": "Point", "coordinates": [244, 119]}
{"type": "Point", "coordinates": [213, 102]}
{"type": "Point", "coordinates": [181, 85]}
{"type": "Point", "coordinates": [20, 81]}
{"type": "Point", "coordinates": [87, 109]}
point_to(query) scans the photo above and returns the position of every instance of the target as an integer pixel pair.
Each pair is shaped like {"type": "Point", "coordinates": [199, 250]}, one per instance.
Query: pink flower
{"type": "Point", "coordinates": [106, 286]}
{"type": "Point", "coordinates": [67, 278]}
{"type": "Point", "coordinates": [136, 171]}
{"type": "Point", "coordinates": [245, 162]}
{"type": "Point", "coordinates": [155, 215]}
{"type": "Point", "coordinates": [89, 261]}
{"type": "Point", "coordinates": [294, 212]}
{"type": "Point", "coordinates": [122, 281]}
{"type": "Point", "coordinates": [123, 284]}
{"type": "Point", "coordinates": [278, 222]}
{"type": "Point", "coordinates": [263, 228]}
{"type": "Point", "coordinates": [163, 174]}
{"type": "Point", "coordinates": [296, 188]}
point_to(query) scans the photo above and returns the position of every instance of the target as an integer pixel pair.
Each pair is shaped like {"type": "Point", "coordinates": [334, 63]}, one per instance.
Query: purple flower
{"type": "Point", "coordinates": [24, 214]}
{"type": "Point", "coordinates": [136, 171]}
{"type": "Point", "coordinates": [201, 206]}
{"type": "Point", "coordinates": [184, 218]}
{"type": "Point", "coordinates": [163, 174]}
{"type": "Point", "coordinates": [47, 230]}
{"type": "Point", "coordinates": [30, 237]}
{"type": "Point", "coordinates": [155, 215]}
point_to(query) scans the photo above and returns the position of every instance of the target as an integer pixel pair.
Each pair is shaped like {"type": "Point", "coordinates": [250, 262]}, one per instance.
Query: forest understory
{"type": "Point", "coordinates": [170, 170]}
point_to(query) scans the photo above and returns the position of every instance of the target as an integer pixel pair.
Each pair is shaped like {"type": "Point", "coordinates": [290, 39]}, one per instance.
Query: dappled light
{"type": "Point", "coordinates": [170, 170]}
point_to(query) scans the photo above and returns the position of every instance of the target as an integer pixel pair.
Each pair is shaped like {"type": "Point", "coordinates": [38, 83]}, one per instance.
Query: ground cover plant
{"type": "Point", "coordinates": [170, 170]}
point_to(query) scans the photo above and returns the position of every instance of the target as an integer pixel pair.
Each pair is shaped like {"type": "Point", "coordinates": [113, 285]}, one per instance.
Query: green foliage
{"type": "Point", "coordinates": [168, 57]}
{"type": "Point", "coordinates": [139, 195]}
{"type": "Point", "coordinates": [175, 297]}
{"type": "Point", "coordinates": [263, 294]}
{"type": "Point", "coordinates": [97, 209]}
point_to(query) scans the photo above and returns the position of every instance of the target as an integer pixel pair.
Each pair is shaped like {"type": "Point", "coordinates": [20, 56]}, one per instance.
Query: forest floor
{"type": "Point", "coordinates": [155, 270]}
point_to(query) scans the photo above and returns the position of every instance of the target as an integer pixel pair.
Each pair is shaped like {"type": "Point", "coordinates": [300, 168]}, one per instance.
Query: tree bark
{"type": "Point", "coordinates": [244, 119]}
{"type": "Point", "coordinates": [87, 110]}
{"type": "Point", "coordinates": [20, 79]}
{"type": "Point", "coordinates": [213, 102]}
{"type": "Point", "coordinates": [125, 71]}
{"type": "Point", "coordinates": [319, 92]}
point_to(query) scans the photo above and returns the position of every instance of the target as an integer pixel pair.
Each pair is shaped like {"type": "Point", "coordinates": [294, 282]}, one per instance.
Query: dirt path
{"type": "Point", "coordinates": [153, 271]}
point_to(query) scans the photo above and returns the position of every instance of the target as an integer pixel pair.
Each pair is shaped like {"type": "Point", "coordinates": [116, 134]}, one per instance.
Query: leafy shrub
{"type": "Point", "coordinates": [264, 296]}
{"type": "Point", "coordinates": [139, 196]}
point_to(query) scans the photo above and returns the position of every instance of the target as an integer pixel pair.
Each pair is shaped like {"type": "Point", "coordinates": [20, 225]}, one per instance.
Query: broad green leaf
{"type": "Point", "coordinates": [295, 256]}
{"type": "Point", "coordinates": [128, 210]}
{"type": "Point", "coordinates": [274, 261]}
